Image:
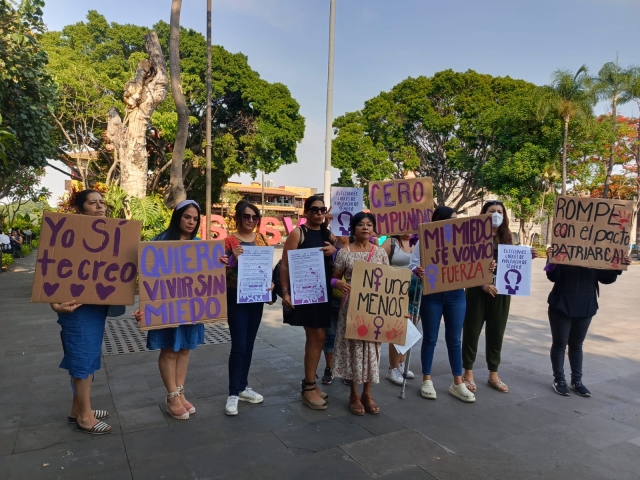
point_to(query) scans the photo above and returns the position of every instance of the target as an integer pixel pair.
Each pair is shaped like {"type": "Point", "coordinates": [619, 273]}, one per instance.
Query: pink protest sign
{"type": "Point", "coordinates": [90, 259]}
{"type": "Point", "coordinates": [400, 206]}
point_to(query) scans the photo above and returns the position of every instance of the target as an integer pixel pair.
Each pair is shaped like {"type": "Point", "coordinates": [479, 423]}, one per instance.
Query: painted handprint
{"type": "Point", "coordinates": [624, 219]}
{"type": "Point", "coordinates": [361, 329]}
{"type": "Point", "coordinates": [396, 331]}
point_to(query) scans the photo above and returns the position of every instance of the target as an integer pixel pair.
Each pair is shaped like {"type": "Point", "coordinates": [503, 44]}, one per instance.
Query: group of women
{"type": "Point", "coordinates": [356, 362]}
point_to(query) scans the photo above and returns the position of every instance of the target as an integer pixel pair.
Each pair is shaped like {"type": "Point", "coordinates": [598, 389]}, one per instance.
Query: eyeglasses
{"type": "Point", "coordinates": [250, 218]}
{"type": "Point", "coordinates": [317, 210]}
{"type": "Point", "coordinates": [493, 202]}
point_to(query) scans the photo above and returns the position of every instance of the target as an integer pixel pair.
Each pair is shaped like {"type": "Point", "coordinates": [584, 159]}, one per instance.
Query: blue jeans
{"type": "Point", "coordinates": [453, 306]}
{"type": "Point", "coordinates": [244, 321]}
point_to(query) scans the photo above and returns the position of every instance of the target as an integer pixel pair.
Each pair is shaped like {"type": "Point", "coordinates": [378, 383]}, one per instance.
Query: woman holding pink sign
{"type": "Point", "coordinates": [82, 330]}
{"type": "Point", "coordinates": [176, 343]}
{"type": "Point", "coordinates": [357, 360]}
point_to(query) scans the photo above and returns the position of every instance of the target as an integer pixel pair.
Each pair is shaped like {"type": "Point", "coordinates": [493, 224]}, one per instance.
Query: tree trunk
{"type": "Point", "coordinates": [142, 95]}
{"type": "Point", "coordinates": [564, 155]}
{"type": "Point", "coordinates": [607, 182]}
{"type": "Point", "coordinates": [176, 191]}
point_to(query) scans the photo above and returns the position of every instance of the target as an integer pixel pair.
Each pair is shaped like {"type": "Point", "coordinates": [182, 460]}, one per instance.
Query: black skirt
{"type": "Point", "coordinates": [317, 315]}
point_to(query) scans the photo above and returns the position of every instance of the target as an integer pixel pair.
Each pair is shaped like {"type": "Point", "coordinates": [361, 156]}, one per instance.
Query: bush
{"type": "Point", "coordinates": [26, 250]}
{"type": "Point", "coordinates": [34, 244]}
{"type": "Point", "coordinates": [541, 249]}
{"type": "Point", "coordinates": [7, 260]}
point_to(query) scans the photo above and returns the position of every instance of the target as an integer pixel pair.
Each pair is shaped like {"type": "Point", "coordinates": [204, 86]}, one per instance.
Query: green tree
{"type": "Point", "coordinates": [27, 92]}
{"type": "Point", "coordinates": [611, 84]}
{"type": "Point", "coordinates": [8, 142]}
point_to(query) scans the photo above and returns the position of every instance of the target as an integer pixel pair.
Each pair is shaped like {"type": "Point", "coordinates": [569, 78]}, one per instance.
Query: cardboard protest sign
{"type": "Point", "coordinates": [400, 206]}
{"type": "Point", "coordinates": [513, 275]}
{"type": "Point", "coordinates": [182, 283]}
{"type": "Point", "coordinates": [345, 203]}
{"type": "Point", "coordinates": [90, 259]}
{"type": "Point", "coordinates": [456, 253]}
{"type": "Point", "coordinates": [378, 303]}
{"type": "Point", "coordinates": [591, 232]}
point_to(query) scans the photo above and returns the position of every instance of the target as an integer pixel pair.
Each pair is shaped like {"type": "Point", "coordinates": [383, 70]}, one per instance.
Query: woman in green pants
{"type": "Point", "coordinates": [485, 305]}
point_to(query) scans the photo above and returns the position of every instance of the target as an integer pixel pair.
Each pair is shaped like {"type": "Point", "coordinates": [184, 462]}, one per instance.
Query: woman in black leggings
{"type": "Point", "coordinates": [573, 302]}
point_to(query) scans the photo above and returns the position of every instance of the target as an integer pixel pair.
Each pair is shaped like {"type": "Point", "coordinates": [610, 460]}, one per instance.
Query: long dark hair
{"type": "Point", "coordinates": [173, 231]}
{"type": "Point", "coordinates": [241, 206]}
{"type": "Point", "coordinates": [81, 198]}
{"type": "Point", "coordinates": [504, 234]}
{"type": "Point", "coordinates": [357, 218]}
{"type": "Point", "coordinates": [442, 213]}
{"type": "Point", "coordinates": [308, 203]}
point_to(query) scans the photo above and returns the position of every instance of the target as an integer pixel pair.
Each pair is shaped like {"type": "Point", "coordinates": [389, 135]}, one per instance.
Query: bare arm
{"type": "Point", "coordinates": [291, 244]}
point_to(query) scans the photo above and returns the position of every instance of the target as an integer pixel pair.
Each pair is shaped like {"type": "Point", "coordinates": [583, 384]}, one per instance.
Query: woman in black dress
{"type": "Point", "coordinates": [313, 317]}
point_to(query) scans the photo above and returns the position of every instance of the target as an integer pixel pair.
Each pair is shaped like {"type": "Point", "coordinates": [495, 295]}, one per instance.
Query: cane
{"type": "Point", "coordinates": [417, 299]}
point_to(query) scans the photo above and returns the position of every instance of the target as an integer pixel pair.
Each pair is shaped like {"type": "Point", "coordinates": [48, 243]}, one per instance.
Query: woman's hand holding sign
{"type": "Point", "coordinates": [137, 315]}
{"type": "Point", "coordinates": [344, 287]}
{"type": "Point", "coordinates": [328, 249]}
{"type": "Point", "coordinates": [66, 307]}
{"type": "Point", "coordinates": [490, 289]}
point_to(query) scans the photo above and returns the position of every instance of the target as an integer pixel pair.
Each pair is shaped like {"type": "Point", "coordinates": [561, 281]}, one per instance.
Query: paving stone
{"type": "Point", "coordinates": [141, 419]}
{"type": "Point", "coordinates": [285, 362]}
{"type": "Point", "coordinates": [7, 440]}
{"type": "Point", "coordinates": [379, 424]}
{"type": "Point", "coordinates": [321, 435]}
{"type": "Point", "coordinates": [169, 466]}
{"type": "Point", "coordinates": [409, 473]}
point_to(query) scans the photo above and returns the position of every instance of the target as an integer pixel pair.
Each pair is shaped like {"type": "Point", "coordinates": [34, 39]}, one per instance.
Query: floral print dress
{"type": "Point", "coordinates": [355, 360]}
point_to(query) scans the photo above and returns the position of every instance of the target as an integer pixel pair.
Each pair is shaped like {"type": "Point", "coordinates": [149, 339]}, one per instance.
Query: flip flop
{"type": "Point", "coordinates": [99, 428]}
{"type": "Point", "coordinates": [98, 414]}
{"type": "Point", "coordinates": [499, 385]}
{"type": "Point", "coordinates": [471, 385]}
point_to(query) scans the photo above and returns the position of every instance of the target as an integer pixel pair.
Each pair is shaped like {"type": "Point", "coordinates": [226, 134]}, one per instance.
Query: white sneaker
{"type": "Point", "coordinates": [462, 392]}
{"type": "Point", "coordinates": [232, 405]}
{"type": "Point", "coordinates": [410, 374]}
{"type": "Point", "coordinates": [394, 375]}
{"type": "Point", "coordinates": [250, 396]}
{"type": "Point", "coordinates": [427, 390]}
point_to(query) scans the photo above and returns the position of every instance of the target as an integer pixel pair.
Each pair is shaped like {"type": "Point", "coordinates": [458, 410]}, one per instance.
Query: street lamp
{"type": "Point", "coordinates": [208, 129]}
{"type": "Point", "coordinates": [329, 120]}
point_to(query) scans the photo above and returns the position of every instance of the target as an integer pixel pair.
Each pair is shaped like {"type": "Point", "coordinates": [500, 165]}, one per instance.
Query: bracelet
{"type": "Point", "coordinates": [333, 282]}
{"type": "Point", "coordinates": [285, 290]}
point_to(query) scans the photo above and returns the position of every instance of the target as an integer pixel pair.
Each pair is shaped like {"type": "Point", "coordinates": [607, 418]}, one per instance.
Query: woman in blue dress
{"type": "Point", "coordinates": [82, 328]}
{"type": "Point", "coordinates": [176, 343]}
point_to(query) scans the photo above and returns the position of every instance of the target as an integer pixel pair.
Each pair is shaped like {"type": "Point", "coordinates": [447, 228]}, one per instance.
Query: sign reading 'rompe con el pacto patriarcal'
{"type": "Point", "coordinates": [90, 259]}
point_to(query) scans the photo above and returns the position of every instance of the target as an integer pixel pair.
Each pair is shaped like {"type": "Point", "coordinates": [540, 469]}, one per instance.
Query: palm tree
{"type": "Point", "coordinates": [570, 96]}
{"type": "Point", "coordinates": [610, 84]}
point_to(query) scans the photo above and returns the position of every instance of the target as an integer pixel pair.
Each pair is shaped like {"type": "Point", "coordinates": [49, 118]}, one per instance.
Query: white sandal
{"type": "Point", "coordinates": [461, 392]}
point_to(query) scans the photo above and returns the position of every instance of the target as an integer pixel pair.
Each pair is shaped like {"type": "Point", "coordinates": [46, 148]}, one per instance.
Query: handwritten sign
{"type": "Point", "coordinates": [307, 276]}
{"type": "Point", "coordinates": [345, 203]}
{"type": "Point", "coordinates": [513, 276]}
{"type": "Point", "coordinates": [254, 275]}
{"type": "Point", "coordinates": [400, 206]}
{"type": "Point", "coordinates": [456, 253]}
{"type": "Point", "coordinates": [89, 259]}
{"type": "Point", "coordinates": [181, 283]}
{"type": "Point", "coordinates": [378, 303]}
{"type": "Point", "coordinates": [591, 232]}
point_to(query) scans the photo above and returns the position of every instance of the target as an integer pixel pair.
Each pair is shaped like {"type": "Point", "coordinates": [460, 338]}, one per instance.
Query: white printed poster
{"type": "Point", "coordinates": [345, 203]}
{"type": "Point", "coordinates": [307, 278]}
{"type": "Point", "coordinates": [254, 274]}
{"type": "Point", "coordinates": [513, 276]}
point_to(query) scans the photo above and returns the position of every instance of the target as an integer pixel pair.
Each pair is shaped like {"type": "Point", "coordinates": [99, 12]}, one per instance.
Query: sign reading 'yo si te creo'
{"type": "Point", "coordinates": [89, 259]}
{"type": "Point", "coordinates": [182, 283]}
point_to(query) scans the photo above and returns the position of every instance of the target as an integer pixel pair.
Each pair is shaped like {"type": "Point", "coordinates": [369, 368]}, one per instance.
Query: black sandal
{"type": "Point", "coordinates": [98, 415]}
{"type": "Point", "coordinates": [99, 428]}
{"type": "Point", "coordinates": [310, 387]}
{"type": "Point", "coordinates": [323, 395]}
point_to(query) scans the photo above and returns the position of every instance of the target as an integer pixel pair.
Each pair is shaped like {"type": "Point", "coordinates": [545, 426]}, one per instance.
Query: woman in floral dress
{"type": "Point", "coordinates": [357, 360]}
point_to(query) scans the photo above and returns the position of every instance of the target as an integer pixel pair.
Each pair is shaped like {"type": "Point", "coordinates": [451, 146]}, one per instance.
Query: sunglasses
{"type": "Point", "coordinates": [250, 218]}
{"type": "Point", "coordinates": [317, 210]}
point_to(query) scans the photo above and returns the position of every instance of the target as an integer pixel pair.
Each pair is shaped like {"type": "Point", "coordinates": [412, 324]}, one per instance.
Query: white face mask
{"type": "Point", "coordinates": [496, 219]}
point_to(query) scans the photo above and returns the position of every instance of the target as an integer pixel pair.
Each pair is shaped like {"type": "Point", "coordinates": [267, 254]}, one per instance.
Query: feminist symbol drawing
{"type": "Point", "coordinates": [344, 219]}
{"type": "Point", "coordinates": [378, 327]}
{"type": "Point", "coordinates": [512, 278]}
{"type": "Point", "coordinates": [377, 272]}
{"type": "Point", "coordinates": [431, 273]}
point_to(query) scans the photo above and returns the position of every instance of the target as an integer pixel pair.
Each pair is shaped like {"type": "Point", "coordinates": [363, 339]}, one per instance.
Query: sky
{"type": "Point", "coordinates": [380, 43]}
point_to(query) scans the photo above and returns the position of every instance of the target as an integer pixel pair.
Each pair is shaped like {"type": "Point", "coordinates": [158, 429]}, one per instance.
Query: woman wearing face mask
{"type": "Point", "coordinates": [313, 317]}
{"type": "Point", "coordinates": [82, 330]}
{"type": "Point", "coordinates": [484, 304]}
{"type": "Point", "coordinates": [176, 343]}
{"type": "Point", "coordinates": [244, 318]}
{"type": "Point", "coordinates": [357, 360]}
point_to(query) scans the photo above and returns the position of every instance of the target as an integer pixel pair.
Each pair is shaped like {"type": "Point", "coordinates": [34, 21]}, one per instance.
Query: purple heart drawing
{"type": "Point", "coordinates": [104, 291]}
{"type": "Point", "coordinates": [50, 288]}
{"type": "Point", "coordinates": [76, 289]}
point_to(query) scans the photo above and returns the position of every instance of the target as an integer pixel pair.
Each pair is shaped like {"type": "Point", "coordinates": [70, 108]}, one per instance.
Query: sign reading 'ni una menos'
{"type": "Point", "coordinates": [456, 253]}
{"type": "Point", "coordinates": [591, 232]}
{"type": "Point", "coordinates": [182, 283]}
{"type": "Point", "coordinates": [400, 206]}
{"type": "Point", "coordinates": [88, 259]}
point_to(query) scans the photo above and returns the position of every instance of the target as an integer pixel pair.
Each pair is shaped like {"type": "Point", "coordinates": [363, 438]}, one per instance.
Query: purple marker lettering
{"type": "Point", "coordinates": [152, 293]}
{"type": "Point", "coordinates": [82, 275]}
{"type": "Point", "coordinates": [150, 267]}
{"type": "Point", "coordinates": [219, 285]}
{"type": "Point", "coordinates": [448, 233]}
{"type": "Point", "coordinates": [202, 290]}
{"type": "Point", "coordinates": [45, 261]}
{"type": "Point", "coordinates": [216, 254]}
{"type": "Point", "coordinates": [96, 267]}
{"type": "Point", "coordinates": [128, 272]}
{"type": "Point", "coordinates": [163, 290]}
{"type": "Point", "coordinates": [393, 219]}
{"type": "Point", "coordinates": [114, 267]}
{"type": "Point", "coordinates": [171, 286]}
{"type": "Point", "coordinates": [185, 259]}
{"type": "Point", "coordinates": [65, 263]}
{"type": "Point", "coordinates": [202, 256]}
{"type": "Point", "coordinates": [382, 221]}
{"type": "Point", "coordinates": [172, 313]}
{"type": "Point", "coordinates": [116, 239]}
{"type": "Point", "coordinates": [418, 191]}
{"type": "Point", "coordinates": [387, 195]}
{"type": "Point", "coordinates": [431, 272]}
{"type": "Point", "coordinates": [96, 228]}
{"type": "Point", "coordinates": [375, 202]}
{"type": "Point", "coordinates": [213, 302]}
{"type": "Point", "coordinates": [378, 327]}
{"type": "Point", "coordinates": [67, 238]}
{"type": "Point", "coordinates": [196, 313]}
{"type": "Point", "coordinates": [187, 287]}
{"type": "Point", "coordinates": [151, 311]}
{"type": "Point", "coordinates": [180, 310]}
{"type": "Point", "coordinates": [403, 189]}
{"type": "Point", "coordinates": [55, 228]}
{"type": "Point", "coordinates": [377, 272]}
